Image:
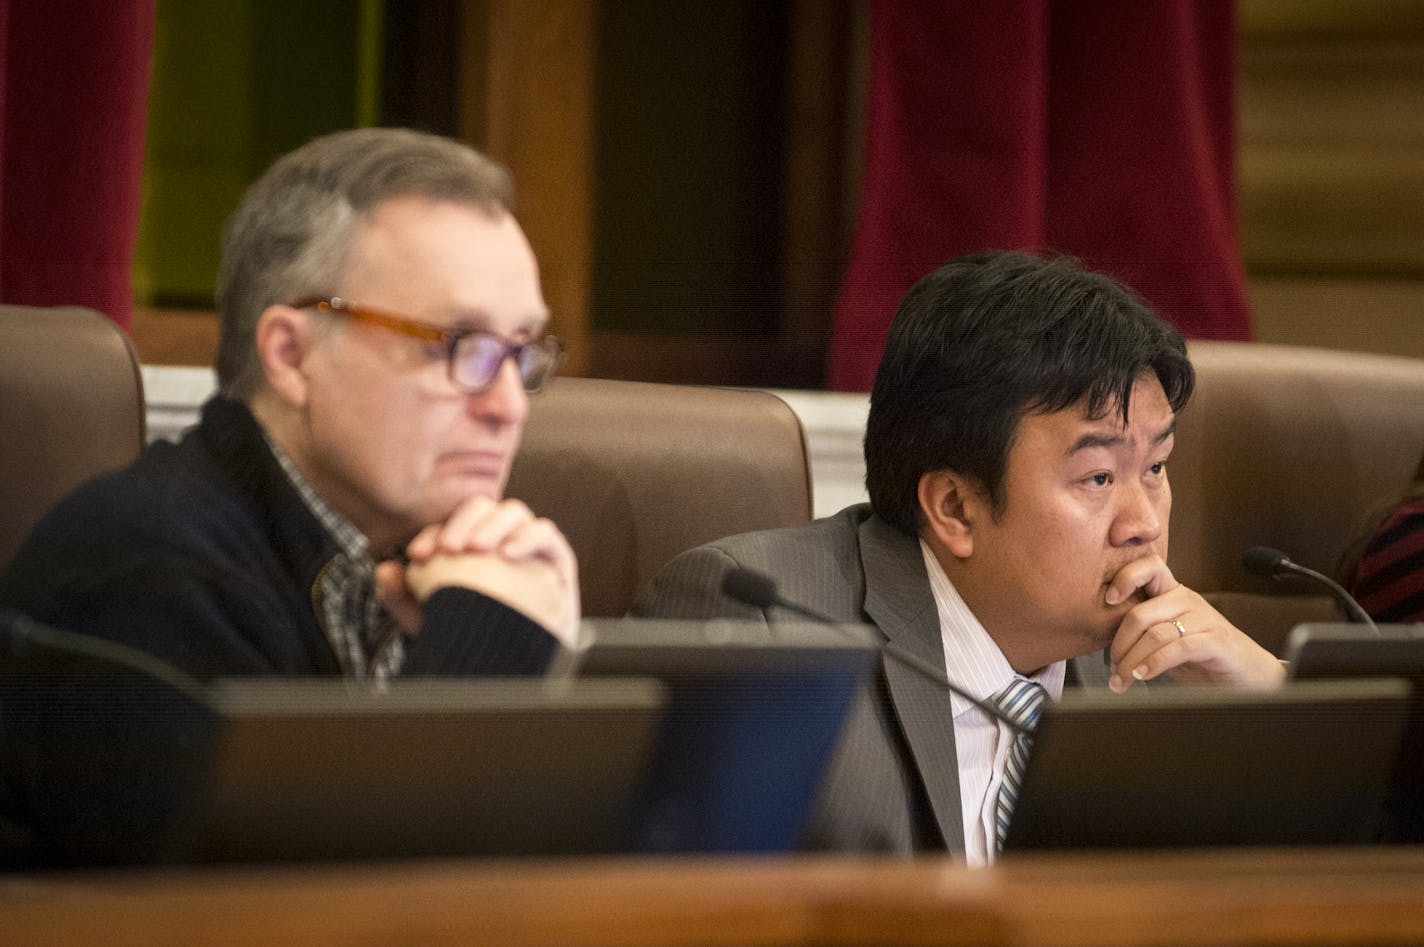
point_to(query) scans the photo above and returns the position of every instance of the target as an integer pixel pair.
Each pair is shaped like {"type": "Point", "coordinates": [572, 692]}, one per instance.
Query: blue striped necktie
{"type": "Point", "coordinates": [1020, 702]}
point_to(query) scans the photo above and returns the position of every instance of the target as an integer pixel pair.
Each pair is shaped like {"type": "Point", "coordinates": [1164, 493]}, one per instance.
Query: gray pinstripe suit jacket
{"type": "Point", "coordinates": [893, 783]}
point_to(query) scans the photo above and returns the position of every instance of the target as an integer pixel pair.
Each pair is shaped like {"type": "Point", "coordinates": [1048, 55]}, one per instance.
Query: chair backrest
{"type": "Point", "coordinates": [635, 472]}
{"type": "Point", "coordinates": [1286, 447]}
{"type": "Point", "coordinates": [71, 406]}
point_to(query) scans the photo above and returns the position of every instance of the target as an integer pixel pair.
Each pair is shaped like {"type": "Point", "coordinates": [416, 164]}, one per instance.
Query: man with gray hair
{"type": "Point", "coordinates": [339, 510]}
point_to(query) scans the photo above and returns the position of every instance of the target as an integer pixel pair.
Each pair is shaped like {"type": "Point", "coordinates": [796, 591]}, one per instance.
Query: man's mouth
{"type": "Point", "coordinates": [475, 463]}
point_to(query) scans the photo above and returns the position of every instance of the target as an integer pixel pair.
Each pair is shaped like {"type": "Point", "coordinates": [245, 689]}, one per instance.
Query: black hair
{"type": "Point", "coordinates": [989, 338]}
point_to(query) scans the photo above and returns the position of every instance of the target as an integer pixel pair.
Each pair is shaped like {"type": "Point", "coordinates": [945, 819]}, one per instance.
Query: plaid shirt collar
{"type": "Point", "coordinates": [350, 540]}
{"type": "Point", "coordinates": [362, 633]}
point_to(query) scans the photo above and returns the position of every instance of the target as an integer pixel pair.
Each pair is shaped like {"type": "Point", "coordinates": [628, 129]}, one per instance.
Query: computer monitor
{"type": "Point", "coordinates": [317, 770]}
{"type": "Point", "coordinates": [1164, 766]}
{"type": "Point", "coordinates": [110, 756]}
{"type": "Point", "coordinates": [753, 714]}
{"type": "Point", "coordinates": [1335, 650]}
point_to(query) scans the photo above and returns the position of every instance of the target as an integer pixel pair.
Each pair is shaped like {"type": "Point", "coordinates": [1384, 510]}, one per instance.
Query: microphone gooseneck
{"type": "Point", "coordinates": [1273, 564]}
{"type": "Point", "coordinates": [759, 590]}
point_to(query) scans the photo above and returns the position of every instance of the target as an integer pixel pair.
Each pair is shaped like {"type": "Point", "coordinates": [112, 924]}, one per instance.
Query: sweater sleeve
{"type": "Point", "coordinates": [1389, 583]}
{"type": "Point", "coordinates": [468, 633]}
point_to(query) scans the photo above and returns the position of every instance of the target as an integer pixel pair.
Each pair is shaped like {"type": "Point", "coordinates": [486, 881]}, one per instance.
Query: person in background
{"type": "Point", "coordinates": [1385, 570]}
{"type": "Point", "coordinates": [1017, 450]}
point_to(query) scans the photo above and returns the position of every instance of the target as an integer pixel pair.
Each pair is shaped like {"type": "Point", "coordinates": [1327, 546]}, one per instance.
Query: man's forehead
{"type": "Point", "coordinates": [1146, 424]}
{"type": "Point", "coordinates": [1114, 434]}
{"type": "Point", "coordinates": [526, 323]}
{"type": "Point", "coordinates": [1150, 418]}
{"type": "Point", "coordinates": [449, 263]}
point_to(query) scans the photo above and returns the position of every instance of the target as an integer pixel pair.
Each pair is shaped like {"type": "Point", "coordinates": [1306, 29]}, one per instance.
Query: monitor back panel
{"type": "Point", "coordinates": [1180, 767]}
{"type": "Point", "coordinates": [316, 771]}
{"type": "Point", "coordinates": [1338, 651]}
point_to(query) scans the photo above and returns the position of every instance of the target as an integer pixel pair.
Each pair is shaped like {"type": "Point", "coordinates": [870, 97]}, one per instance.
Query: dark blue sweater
{"type": "Point", "coordinates": [204, 556]}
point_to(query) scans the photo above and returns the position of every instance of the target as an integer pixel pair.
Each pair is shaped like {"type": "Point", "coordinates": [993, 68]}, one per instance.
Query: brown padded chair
{"type": "Point", "coordinates": [635, 472]}
{"type": "Point", "coordinates": [1287, 447]}
{"type": "Point", "coordinates": [71, 406]}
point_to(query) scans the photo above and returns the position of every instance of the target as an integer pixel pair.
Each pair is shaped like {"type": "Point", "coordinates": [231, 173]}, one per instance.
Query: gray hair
{"type": "Point", "coordinates": [289, 237]}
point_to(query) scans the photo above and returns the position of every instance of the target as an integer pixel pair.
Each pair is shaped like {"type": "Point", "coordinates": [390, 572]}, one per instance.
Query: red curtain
{"type": "Point", "coordinates": [1101, 129]}
{"type": "Point", "coordinates": [73, 99]}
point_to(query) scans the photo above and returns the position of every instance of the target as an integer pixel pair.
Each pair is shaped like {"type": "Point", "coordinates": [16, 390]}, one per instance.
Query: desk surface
{"type": "Point", "coordinates": [1242, 896]}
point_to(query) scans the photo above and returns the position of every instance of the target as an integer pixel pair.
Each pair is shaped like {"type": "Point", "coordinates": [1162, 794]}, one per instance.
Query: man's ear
{"type": "Point", "coordinates": [284, 342]}
{"type": "Point", "coordinates": [950, 507]}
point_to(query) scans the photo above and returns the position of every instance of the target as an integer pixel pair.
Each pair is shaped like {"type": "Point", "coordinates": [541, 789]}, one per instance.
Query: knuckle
{"type": "Point", "coordinates": [517, 507]}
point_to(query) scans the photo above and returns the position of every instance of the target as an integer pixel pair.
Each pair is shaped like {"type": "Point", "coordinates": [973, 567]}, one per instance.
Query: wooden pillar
{"type": "Point", "coordinates": [527, 70]}
{"type": "Point", "coordinates": [823, 138]}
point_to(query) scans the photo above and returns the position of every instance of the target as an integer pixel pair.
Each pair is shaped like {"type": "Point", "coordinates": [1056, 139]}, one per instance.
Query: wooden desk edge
{"type": "Point", "coordinates": [1238, 896]}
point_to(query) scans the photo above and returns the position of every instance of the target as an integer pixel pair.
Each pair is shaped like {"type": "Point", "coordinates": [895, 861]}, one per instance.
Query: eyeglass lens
{"type": "Point", "coordinates": [478, 357]}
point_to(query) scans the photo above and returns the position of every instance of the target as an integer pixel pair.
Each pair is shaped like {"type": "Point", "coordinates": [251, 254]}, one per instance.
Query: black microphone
{"type": "Point", "coordinates": [759, 590]}
{"type": "Point", "coordinates": [1273, 564]}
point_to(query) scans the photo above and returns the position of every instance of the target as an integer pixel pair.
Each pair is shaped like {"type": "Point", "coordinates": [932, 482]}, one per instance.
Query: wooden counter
{"type": "Point", "coordinates": [1230, 897]}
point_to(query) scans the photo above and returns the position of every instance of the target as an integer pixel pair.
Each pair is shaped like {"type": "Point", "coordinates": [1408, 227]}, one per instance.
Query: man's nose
{"type": "Point", "coordinates": [505, 401]}
{"type": "Point", "coordinates": [1140, 518]}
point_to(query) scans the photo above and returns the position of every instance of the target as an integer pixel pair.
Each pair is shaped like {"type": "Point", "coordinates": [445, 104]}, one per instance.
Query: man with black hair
{"type": "Point", "coordinates": [1016, 450]}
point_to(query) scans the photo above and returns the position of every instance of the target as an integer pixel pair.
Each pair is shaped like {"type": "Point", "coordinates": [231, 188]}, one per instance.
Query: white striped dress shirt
{"type": "Point", "coordinates": [974, 663]}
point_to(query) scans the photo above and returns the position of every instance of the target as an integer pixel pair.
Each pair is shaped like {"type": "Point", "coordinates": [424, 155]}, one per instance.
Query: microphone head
{"type": "Point", "coordinates": [750, 587]}
{"type": "Point", "coordinates": [1264, 561]}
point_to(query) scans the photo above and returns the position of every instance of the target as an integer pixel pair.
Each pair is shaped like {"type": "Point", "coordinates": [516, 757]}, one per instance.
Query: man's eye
{"type": "Point", "coordinates": [1158, 468]}
{"type": "Point", "coordinates": [1100, 479]}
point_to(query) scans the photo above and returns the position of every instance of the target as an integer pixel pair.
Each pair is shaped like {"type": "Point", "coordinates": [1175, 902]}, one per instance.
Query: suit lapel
{"type": "Point", "coordinates": [898, 601]}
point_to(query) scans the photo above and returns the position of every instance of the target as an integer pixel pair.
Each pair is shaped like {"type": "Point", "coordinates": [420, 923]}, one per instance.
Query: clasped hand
{"type": "Point", "coordinates": [499, 548]}
{"type": "Point", "coordinates": [1174, 631]}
